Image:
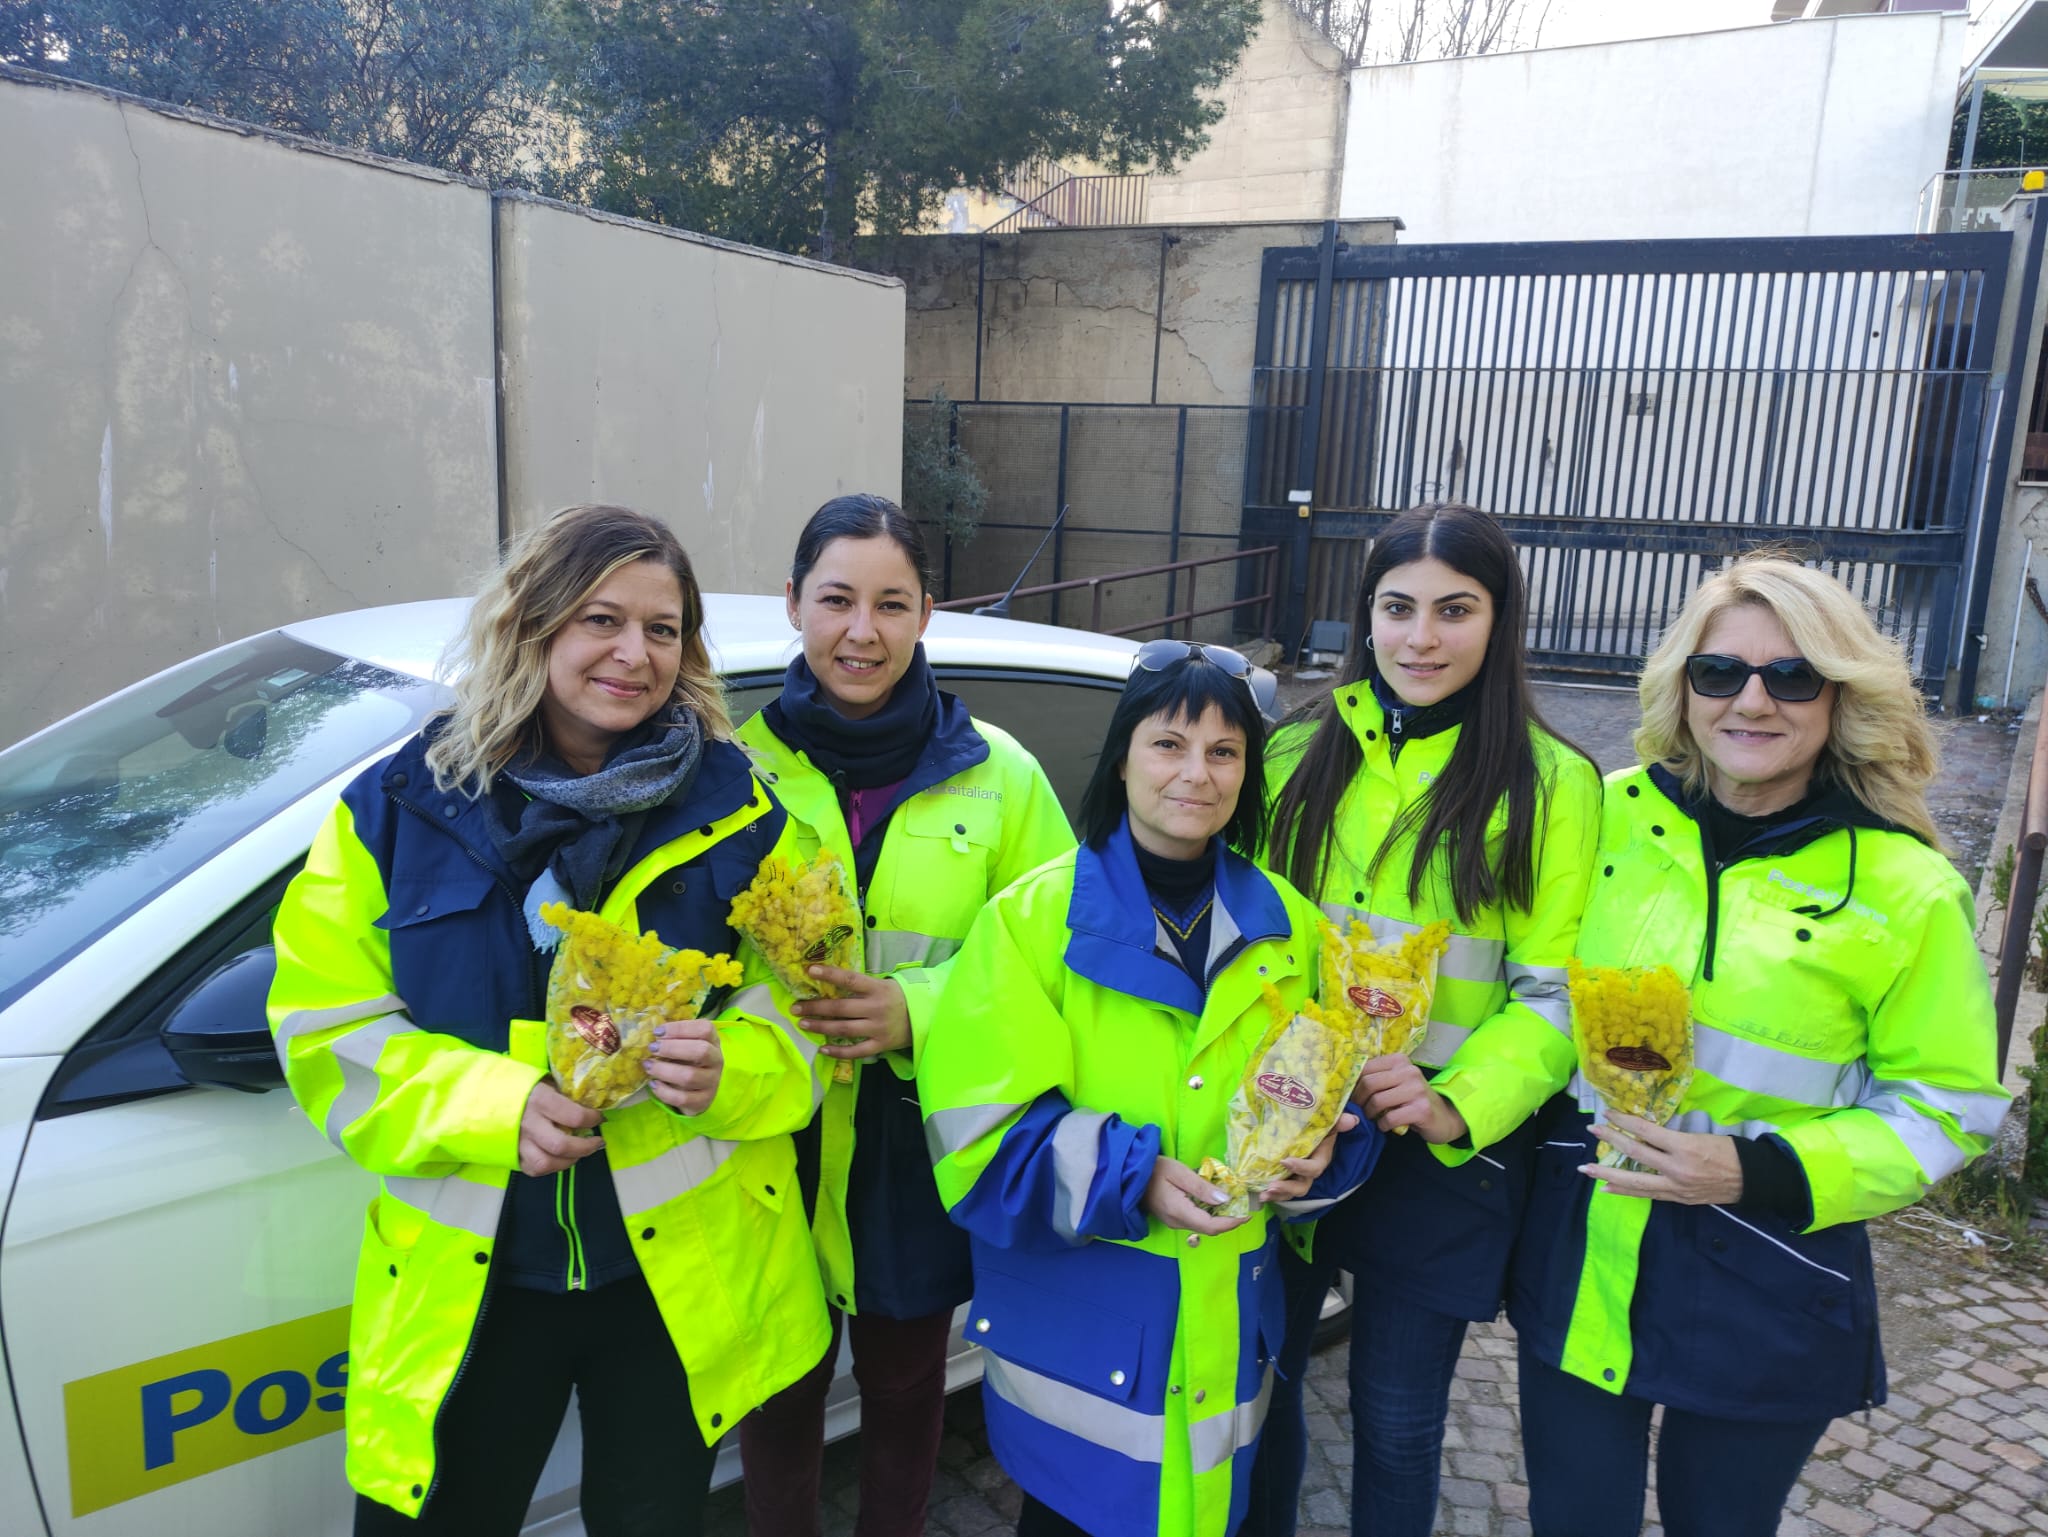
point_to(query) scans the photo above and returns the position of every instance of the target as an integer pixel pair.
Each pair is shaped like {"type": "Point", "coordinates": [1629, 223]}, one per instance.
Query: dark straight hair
{"type": "Point", "coordinates": [1184, 691]}
{"type": "Point", "coordinates": [1493, 760]}
{"type": "Point", "coordinates": [860, 516]}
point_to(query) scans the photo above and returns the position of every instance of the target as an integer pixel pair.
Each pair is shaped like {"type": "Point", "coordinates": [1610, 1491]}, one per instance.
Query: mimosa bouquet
{"type": "Point", "coordinates": [607, 991]}
{"type": "Point", "coordinates": [802, 915]}
{"type": "Point", "coordinates": [1633, 1026]}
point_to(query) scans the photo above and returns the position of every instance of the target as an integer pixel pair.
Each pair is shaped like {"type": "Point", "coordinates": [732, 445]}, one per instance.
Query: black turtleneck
{"type": "Point", "coordinates": [1726, 833]}
{"type": "Point", "coordinates": [1182, 891]}
{"type": "Point", "coordinates": [1410, 722]}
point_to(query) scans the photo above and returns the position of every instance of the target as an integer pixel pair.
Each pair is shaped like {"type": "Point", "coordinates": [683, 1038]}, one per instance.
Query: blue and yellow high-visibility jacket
{"type": "Point", "coordinates": [1840, 1008]}
{"type": "Point", "coordinates": [406, 1012]}
{"type": "Point", "coordinates": [1128, 1363]}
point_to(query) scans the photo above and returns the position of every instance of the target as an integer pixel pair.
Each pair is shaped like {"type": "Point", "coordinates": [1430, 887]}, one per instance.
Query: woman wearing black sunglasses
{"type": "Point", "coordinates": [1776, 850]}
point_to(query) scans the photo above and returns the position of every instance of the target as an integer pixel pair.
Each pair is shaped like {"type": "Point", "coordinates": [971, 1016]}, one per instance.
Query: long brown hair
{"type": "Point", "coordinates": [1492, 761]}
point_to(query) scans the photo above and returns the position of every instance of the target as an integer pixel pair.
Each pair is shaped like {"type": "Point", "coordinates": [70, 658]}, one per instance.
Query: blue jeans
{"type": "Point", "coordinates": [1588, 1453]}
{"type": "Point", "coordinates": [1402, 1360]}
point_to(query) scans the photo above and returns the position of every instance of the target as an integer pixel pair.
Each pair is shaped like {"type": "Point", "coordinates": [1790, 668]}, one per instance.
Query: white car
{"type": "Point", "coordinates": [177, 1244]}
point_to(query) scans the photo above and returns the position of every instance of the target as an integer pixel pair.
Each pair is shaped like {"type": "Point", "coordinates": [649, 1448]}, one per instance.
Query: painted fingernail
{"type": "Point", "coordinates": [660, 1030]}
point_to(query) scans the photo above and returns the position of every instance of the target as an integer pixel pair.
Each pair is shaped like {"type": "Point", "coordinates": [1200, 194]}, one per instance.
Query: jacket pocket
{"type": "Point", "coordinates": [1070, 1338]}
{"type": "Point", "coordinates": [1781, 1324]}
{"type": "Point", "coordinates": [390, 1234]}
{"type": "Point", "coordinates": [423, 899]}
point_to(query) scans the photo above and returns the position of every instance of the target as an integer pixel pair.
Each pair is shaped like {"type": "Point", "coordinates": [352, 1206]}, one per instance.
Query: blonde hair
{"type": "Point", "coordinates": [500, 661]}
{"type": "Point", "coordinates": [1880, 746]}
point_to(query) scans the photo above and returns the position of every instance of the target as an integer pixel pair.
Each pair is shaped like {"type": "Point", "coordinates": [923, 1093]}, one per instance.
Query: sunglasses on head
{"type": "Point", "coordinates": [1158, 655]}
{"type": "Point", "coordinates": [1792, 679]}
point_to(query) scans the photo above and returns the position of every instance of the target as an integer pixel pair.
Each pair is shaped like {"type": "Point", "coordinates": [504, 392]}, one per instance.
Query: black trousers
{"type": "Point", "coordinates": [646, 1470]}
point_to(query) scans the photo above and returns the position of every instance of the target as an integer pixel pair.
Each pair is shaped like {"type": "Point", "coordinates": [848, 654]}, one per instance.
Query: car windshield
{"type": "Point", "coordinates": [114, 806]}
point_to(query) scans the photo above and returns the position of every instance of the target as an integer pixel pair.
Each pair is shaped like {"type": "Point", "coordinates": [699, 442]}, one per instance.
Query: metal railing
{"type": "Point", "coordinates": [2026, 887]}
{"type": "Point", "coordinates": [1960, 201]}
{"type": "Point", "coordinates": [1094, 585]}
{"type": "Point", "coordinates": [1078, 202]}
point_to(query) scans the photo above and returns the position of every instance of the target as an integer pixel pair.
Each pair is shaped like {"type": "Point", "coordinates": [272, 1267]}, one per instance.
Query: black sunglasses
{"type": "Point", "coordinates": [1790, 678]}
{"type": "Point", "coordinates": [1158, 655]}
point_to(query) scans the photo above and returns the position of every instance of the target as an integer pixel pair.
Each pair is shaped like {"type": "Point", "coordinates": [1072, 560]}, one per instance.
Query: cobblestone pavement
{"type": "Point", "coordinates": [1960, 1450]}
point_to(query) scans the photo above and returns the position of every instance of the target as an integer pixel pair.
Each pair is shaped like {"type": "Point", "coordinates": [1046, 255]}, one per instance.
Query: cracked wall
{"type": "Point", "coordinates": [246, 380]}
{"type": "Point", "coordinates": [728, 389]}
{"type": "Point", "coordinates": [239, 385]}
{"type": "Point", "coordinates": [1069, 314]}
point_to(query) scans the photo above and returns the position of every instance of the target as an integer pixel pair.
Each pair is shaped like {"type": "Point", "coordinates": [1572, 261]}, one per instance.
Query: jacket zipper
{"type": "Point", "coordinates": [483, 1306]}
{"type": "Point", "coordinates": [578, 1278]}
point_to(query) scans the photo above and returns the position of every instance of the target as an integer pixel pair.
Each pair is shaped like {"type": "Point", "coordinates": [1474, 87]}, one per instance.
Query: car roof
{"type": "Point", "coordinates": [749, 634]}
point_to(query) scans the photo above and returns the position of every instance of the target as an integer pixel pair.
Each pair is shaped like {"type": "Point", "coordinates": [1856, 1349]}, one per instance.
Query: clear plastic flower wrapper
{"type": "Point", "coordinates": [1633, 1026]}
{"type": "Point", "coordinates": [607, 990]}
{"type": "Point", "coordinates": [802, 915]}
{"type": "Point", "coordinates": [1291, 1096]}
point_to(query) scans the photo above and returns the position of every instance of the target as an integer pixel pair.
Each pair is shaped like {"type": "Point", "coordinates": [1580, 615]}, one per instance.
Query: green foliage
{"type": "Point", "coordinates": [941, 485]}
{"type": "Point", "coordinates": [459, 84]}
{"type": "Point", "coordinates": [1994, 1201]}
{"type": "Point", "coordinates": [2009, 132]}
{"type": "Point", "coordinates": [794, 125]}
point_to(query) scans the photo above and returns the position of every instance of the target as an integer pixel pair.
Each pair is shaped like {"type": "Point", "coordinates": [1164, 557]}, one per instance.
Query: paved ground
{"type": "Point", "coordinates": [1961, 1449]}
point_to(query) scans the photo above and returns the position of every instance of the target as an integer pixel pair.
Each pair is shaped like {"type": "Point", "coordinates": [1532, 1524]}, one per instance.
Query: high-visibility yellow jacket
{"type": "Point", "coordinates": [1435, 1223]}
{"type": "Point", "coordinates": [977, 812]}
{"type": "Point", "coordinates": [1840, 1007]}
{"type": "Point", "coordinates": [1127, 1370]}
{"type": "Point", "coordinates": [405, 985]}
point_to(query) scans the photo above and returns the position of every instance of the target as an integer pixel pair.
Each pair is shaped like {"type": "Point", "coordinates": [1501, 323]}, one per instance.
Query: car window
{"type": "Point", "coordinates": [114, 806]}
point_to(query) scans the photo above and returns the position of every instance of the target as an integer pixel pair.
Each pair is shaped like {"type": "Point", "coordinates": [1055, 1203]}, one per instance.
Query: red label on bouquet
{"type": "Point", "coordinates": [832, 940]}
{"type": "Point", "coordinates": [1637, 1059]}
{"type": "Point", "coordinates": [1377, 1002]}
{"type": "Point", "coordinates": [596, 1027]}
{"type": "Point", "coordinates": [1284, 1090]}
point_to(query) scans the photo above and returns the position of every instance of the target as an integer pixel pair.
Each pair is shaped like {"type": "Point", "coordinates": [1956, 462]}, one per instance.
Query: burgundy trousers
{"type": "Point", "coordinates": [899, 1365]}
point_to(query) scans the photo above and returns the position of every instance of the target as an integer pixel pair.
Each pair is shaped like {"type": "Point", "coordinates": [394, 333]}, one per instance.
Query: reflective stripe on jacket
{"type": "Point", "coordinates": [1500, 1032]}
{"type": "Point", "coordinates": [1128, 1367]}
{"type": "Point", "coordinates": [1848, 1014]}
{"type": "Point", "coordinates": [402, 967]}
{"type": "Point", "coordinates": [950, 844]}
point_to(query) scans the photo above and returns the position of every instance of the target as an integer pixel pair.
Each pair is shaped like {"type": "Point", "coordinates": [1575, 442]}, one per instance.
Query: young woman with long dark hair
{"type": "Point", "coordinates": [1426, 787]}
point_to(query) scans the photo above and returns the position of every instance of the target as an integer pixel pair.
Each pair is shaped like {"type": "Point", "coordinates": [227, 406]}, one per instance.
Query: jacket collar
{"type": "Point", "coordinates": [954, 747]}
{"type": "Point", "coordinates": [722, 786]}
{"type": "Point", "coordinates": [1115, 932]}
{"type": "Point", "coordinates": [1832, 809]}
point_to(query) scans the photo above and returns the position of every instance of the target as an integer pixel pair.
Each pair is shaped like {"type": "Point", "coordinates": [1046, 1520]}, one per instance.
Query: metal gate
{"type": "Point", "coordinates": [1635, 413]}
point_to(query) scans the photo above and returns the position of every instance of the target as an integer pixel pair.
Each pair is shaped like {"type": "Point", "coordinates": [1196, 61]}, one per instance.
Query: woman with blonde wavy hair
{"type": "Point", "coordinates": [1774, 849]}
{"type": "Point", "coordinates": [652, 1258]}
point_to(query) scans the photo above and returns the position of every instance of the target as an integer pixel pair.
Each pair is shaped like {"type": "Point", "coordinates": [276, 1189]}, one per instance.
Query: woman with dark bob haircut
{"type": "Point", "coordinates": [1096, 1023]}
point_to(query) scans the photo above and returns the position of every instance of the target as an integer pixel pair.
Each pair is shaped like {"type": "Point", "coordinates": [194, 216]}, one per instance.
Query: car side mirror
{"type": "Point", "coordinates": [219, 1034]}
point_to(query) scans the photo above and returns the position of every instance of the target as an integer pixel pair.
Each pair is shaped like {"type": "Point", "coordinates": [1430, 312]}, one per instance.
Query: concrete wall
{"type": "Point", "coordinates": [731, 389]}
{"type": "Point", "coordinates": [1073, 314]}
{"type": "Point", "coordinates": [1805, 128]}
{"type": "Point", "coordinates": [1278, 151]}
{"type": "Point", "coordinates": [240, 382]}
{"type": "Point", "coordinates": [245, 379]}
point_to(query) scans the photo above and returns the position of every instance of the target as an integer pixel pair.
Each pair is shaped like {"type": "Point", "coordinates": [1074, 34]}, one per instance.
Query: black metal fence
{"type": "Point", "coordinates": [1635, 412]}
{"type": "Point", "coordinates": [1144, 485]}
